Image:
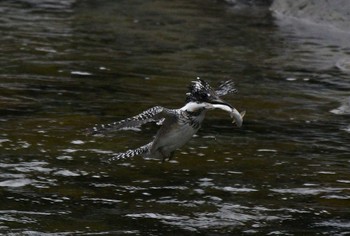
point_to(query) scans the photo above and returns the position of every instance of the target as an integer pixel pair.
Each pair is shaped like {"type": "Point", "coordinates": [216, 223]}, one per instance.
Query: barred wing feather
{"type": "Point", "coordinates": [225, 88]}
{"type": "Point", "coordinates": [153, 114]}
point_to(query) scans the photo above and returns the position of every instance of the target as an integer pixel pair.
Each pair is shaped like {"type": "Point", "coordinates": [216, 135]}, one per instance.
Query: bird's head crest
{"type": "Point", "coordinates": [201, 91]}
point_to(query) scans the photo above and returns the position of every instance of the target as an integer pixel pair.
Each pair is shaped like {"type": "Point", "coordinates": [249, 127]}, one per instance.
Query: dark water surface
{"type": "Point", "coordinates": [66, 65]}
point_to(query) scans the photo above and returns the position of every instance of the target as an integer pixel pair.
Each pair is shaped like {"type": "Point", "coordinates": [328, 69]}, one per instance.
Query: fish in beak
{"type": "Point", "coordinates": [221, 104]}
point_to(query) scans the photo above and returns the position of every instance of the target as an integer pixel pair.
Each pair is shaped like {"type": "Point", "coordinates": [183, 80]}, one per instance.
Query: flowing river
{"type": "Point", "coordinates": [67, 65]}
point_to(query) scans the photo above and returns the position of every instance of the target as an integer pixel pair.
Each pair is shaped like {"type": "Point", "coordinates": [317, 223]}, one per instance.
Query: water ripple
{"type": "Point", "coordinates": [67, 65]}
{"type": "Point", "coordinates": [344, 109]}
{"type": "Point", "coordinates": [15, 183]}
{"type": "Point", "coordinates": [226, 216]}
{"type": "Point", "coordinates": [309, 191]}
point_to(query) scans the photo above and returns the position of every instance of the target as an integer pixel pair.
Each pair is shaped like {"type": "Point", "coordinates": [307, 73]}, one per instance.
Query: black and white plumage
{"type": "Point", "coordinates": [178, 125]}
{"type": "Point", "coordinates": [151, 115]}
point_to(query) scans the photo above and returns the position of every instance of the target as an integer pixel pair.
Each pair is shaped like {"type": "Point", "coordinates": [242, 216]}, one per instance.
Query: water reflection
{"type": "Point", "coordinates": [68, 65]}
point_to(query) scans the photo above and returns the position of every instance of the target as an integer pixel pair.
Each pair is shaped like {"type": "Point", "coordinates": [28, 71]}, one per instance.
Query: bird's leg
{"type": "Point", "coordinates": [165, 157]}
{"type": "Point", "coordinates": [171, 155]}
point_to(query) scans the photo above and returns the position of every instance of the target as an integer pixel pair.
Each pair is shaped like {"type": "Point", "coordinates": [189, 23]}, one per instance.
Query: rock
{"type": "Point", "coordinates": [335, 13]}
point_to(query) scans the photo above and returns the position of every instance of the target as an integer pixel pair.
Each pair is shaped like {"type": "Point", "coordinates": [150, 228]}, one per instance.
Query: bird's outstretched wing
{"type": "Point", "coordinates": [153, 114]}
{"type": "Point", "coordinates": [225, 88]}
{"type": "Point", "coordinates": [141, 151]}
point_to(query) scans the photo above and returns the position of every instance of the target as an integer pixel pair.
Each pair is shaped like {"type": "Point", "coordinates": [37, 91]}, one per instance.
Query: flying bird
{"type": "Point", "coordinates": [177, 125]}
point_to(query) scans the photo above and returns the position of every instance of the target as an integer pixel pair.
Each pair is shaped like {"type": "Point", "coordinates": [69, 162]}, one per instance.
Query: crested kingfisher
{"type": "Point", "coordinates": [177, 125]}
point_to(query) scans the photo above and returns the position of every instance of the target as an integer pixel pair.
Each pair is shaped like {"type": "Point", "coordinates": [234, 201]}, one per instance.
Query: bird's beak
{"type": "Point", "coordinates": [221, 104]}
{"type": "Point", "coordinates": [219, 101]}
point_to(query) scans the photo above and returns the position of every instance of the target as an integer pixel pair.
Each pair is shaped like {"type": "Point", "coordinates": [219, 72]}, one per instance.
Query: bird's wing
{"type": "Point", "coordinates": [153, 114]}
{"type": "Point", "coordinates": [225, 88]}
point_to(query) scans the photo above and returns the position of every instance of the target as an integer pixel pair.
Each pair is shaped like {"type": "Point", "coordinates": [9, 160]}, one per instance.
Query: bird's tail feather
{"type": "Point", "coordinates": [141, 151]}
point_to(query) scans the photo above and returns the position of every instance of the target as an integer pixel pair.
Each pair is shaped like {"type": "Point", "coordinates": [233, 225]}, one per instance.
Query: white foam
{"type": "Point", "coordinates": [80, 73]}
{"type": "Point", "coordinates": [77, 142]}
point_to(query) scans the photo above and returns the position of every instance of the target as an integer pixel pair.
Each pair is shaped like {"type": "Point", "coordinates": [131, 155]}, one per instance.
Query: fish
{"type": "Point", "coordinates": [234, 113]}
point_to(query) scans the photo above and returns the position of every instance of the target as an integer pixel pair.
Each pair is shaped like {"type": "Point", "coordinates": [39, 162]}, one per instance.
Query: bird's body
{"type": "Point", "coordinates": [178, 125]}
{"type": "Point", "coordinates": [175, 132]}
